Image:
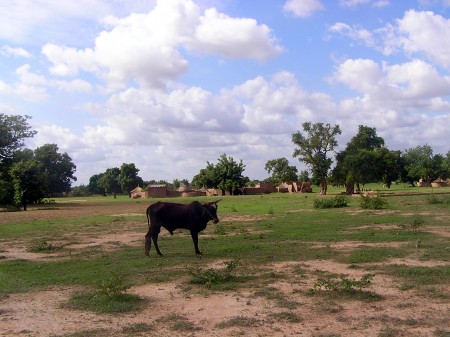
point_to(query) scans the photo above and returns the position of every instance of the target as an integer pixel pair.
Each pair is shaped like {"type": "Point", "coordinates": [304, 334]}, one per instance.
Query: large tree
{"type": "Point", "coordinates": [227, 175]}
{"type": "Point", "coordinates": [58, 166]}
{"type": "Point", "coordinates": [128, 177]}
{"type": "Point", "coordinates": [421, 163]}
{"type": "Point", "coordinates": [359, 163]}
{"type": "Point", "coordinates": [314, 144]}
{"type": "Point", "coordinates": [280, 171]}
{"type": "Point", "coordinates": [13, 131]}
{"type": "Point", "coordinates": [95, 184]}
{"type": "Point", "coordinates": [29, 181]}
{"type": "Point", "coordinates": [110, 181]}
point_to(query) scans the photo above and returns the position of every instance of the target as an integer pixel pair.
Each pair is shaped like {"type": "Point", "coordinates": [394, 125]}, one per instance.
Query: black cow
{"type": "Point", "coordinates": [171, 216]}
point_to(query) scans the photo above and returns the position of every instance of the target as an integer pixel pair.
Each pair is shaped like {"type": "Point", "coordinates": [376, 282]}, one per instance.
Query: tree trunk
{"type": "Point", "coordinates": [349, 189]}
{"type": "Point", "coordinates": [323, 187]}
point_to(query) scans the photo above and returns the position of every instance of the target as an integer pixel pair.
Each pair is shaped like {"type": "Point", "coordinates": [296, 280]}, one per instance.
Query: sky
{"type": "Point", "coordinates": [170, 85]}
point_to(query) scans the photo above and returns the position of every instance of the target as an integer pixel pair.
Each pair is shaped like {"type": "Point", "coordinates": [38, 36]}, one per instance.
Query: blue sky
{"type": "Point", "coordinates": [171, 84]}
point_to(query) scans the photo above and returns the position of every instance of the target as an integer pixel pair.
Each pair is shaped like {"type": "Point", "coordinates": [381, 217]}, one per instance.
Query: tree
{"type": "Point", "coordinates": [95, 184]}
{"type": "Point", "coordinates": [29, 181]}
{"type": "Point", "coordinates": [281, 171]}
{"type": "Point", "coordinates": [13, 131]}
{"type": "Point", "coordinates": [420, 163]}
{"type": "Point", "coordinates": [304, 176]}
{"type": "Point", "coordinates": [58, 166]}
{"type": "Point", "coordinates": [313, 146]}
{"type": "Point", "coordinates": [110, 181]}
{"type": "Point", "coordinates": [359, 163]}
{"type": "Point", "coordinates": [390, 165]}
{"type": "Point", "coordinates": [128, 178]}
{"type": "Point", "coordinates": [225, 175]}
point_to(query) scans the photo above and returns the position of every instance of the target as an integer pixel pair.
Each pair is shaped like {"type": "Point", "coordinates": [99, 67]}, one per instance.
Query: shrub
{"type": "Point", "coordinates": [335, 202]}
{"type": "Point", "coordinates": [344, 284]}
{"type": "Point", "coordinates": [372, 202]}
{"type": "Point", "coordinates": [113, 286]}
{"type": "Point", "coordinates": [414, 226]}
{"type": "Point", "coordinates": [210, 277]}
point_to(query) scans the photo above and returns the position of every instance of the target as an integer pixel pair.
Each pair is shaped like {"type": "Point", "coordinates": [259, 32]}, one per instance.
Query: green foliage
{"type": "Point", "coordinates": [120, 303]}
{"type": "Point", "coordinates": [211, 277]}
{"type": "Point", "coordinates": [334, 202]}
{"type": "Point", "coordinates": [128, 178]}
{"type": "Point", "coordinates": [420, 163]}
{"type": "Point", "coordinates": [109, 297]}
{"type": "Point", "coordinates": [343, 284]}
{"type": "Point", "coordinates": [58, 167]}
{"type": "Point", "coordinates": [313, 146]}
{"type": "Point", "coordinates": [110, 180]}
{"type": "Point", "coordinates": [280, 171]}
{"type": "Point", "coordinates": [372, 202]}
{"type": "Point", "coordinates": [113, 286]}
{"type": "Point", "coordinates": [364, 160]}
{"type": "Point", "coordinates": [13, 131]}
{"type": "Point", "coordinates": [29, 182]}
{"type": "Point", "coordinates": [227, 175]}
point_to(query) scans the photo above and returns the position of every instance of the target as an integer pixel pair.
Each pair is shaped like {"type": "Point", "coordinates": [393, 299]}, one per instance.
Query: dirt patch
{"type": "Point", "coordinates": [40, 313]}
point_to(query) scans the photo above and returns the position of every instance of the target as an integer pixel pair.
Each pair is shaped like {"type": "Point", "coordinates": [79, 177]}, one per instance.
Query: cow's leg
{"type": "Point", "coordinates": [194, 235]}
{"type": "Point", "coordinates": [155, 234]}
{"type": "Point", "coordinates": [148, 242]}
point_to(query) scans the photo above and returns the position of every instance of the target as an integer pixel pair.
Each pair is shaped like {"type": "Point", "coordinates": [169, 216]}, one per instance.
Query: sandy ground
{"type": "Point", "coordinates": [399, 313]}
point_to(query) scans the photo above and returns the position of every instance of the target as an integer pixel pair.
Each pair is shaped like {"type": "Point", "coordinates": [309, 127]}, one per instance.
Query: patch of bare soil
{"type": "Point", "coordinates": [405, 312]}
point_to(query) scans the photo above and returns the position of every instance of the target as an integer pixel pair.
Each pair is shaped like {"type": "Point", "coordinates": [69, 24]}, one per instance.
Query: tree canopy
{"type": "Point", "coordinates": [314, 144]}
{"type": "Point", "coordinates": [227, 175]}
{"type": "Point", "coordinates": [362, 161]}
{"type": "Point", "coordinates": [281, 171]}
{"type": "Point", "coordinates": [59, 168]}
{"type": "Point", "coordinates": [13, 131]}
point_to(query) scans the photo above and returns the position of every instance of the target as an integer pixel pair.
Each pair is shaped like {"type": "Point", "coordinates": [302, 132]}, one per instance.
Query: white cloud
{"type": "Point", "coordinates": [303, 8]}
{"type": "Point", "coordinates": [373, 3]}
{"type": "Point", "coordinates": [16, 52]}
{"type": "Point", "coordinates": [146, 47]}
{"type": "Point", "coordinates": [426, 33]}
{"type": "Point", "coordinates": [220, 34]}
{"type": "Point", "coordinates": [356, 33]}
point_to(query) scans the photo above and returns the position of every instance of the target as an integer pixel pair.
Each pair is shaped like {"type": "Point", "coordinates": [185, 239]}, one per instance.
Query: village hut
{"type": "Point", "coordinates": [138, 192]}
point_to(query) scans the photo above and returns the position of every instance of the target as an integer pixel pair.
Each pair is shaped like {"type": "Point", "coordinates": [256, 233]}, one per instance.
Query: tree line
{"type": "Point", "coordinates": [27, 176]}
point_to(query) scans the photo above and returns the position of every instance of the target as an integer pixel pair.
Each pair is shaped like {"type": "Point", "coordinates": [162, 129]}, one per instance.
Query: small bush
{"type": "Point", "coordinates": [211, 277]}
{"type": "Point", "coordinates": [372, 202]}
{"type": "Point", "coordinates": [335, 202]}
{"type": "Point", "coordinates": [344, 284]}
{"type": "Point", "coordinates": [414, 225]}
{"type": "Point", "coordinates": [113, 286]}
{"type": "Point", "coordinates": [109, 297]}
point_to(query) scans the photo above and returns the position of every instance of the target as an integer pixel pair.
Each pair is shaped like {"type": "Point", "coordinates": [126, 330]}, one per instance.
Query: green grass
{"type": "Point", "coordinates": [286, 227]}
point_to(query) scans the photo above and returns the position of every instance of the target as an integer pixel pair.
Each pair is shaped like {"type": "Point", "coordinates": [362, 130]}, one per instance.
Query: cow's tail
{"type": "Point", "coordinates": [148, 236]}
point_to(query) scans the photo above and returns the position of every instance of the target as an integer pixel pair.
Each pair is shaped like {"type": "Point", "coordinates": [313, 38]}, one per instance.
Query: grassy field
{"type": "Point", "coordinates": [265, 241]}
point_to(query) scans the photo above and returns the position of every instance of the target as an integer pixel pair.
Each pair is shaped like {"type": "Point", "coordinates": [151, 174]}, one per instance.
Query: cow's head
{"type": "Point", "coordinates": [211, 208]}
